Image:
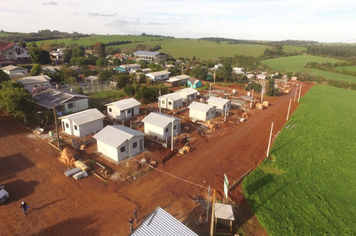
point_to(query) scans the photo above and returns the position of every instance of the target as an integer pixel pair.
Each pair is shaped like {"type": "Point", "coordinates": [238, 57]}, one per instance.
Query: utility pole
{"type": "Point", "coordinates": [207, 209]}
{"type": "Point", "coordinates": [172, 133]}
{"type": "Point", "coordinates": [300, 90]}
{"type": "Point", "coordinates": [269, 142]}
{"type": "Point", "coordinates": [57, 131]}
{"type": "Point", "coordinates": [290, 101]}
{"type": "Point", "coordinates": [210, 91]}
{"type": "Point", "coordinates": [212, 216]}
{"type": "Point", "coordinates": [295, 93]}
{"type": "Point", "coordinates": [159, 101]}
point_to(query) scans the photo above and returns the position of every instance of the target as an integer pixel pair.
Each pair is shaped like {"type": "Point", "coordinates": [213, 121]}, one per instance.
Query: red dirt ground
{"type": "Point", "coordinates": [31, 172]}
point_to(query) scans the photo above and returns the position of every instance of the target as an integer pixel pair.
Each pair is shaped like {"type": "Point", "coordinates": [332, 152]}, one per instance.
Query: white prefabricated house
{"type": "Point", "coordinates": [83, 123]}
{"type": "Point", "coordinates": [188, 94]}
{"type": "Point", "coordinates": [123, 109]}
{"type": "Point", "coordinates": [159, 75]}
{"type": "Point", "coordinates": [170, 101]}
{"type": "Point", "coordinates": [159, 125]}
{"type": "Point", "coordinates": [119, 142]}
{"type": "Point", "coordinates": [220, 103]}
{"type": "Point", "coordinates": [201, 111]}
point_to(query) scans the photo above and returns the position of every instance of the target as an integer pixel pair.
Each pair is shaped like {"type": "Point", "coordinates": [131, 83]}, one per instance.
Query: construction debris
{"type": "Point", "coordinates": [67, 156]}
{"type": "Point", "coordinates": [183, 150]}
{"type": "Point", "coordinates": [265, 103]}
{"type": "Point", "coordinates": [259, 106]}
{"type": "Point", "coordinates": [81, 165]}
{"type": "Point", "coordinates": [210, 125]}
{"type": "Point", "coordinates": [244, 115]}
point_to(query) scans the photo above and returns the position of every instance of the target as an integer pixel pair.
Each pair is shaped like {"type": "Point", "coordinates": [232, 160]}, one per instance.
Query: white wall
{"type": "Point", "coordinates": [88, 128]}
{"type": "Point", "coordinates": [124, 114]}
{"type": "Point", "coordinates": [108, 150]}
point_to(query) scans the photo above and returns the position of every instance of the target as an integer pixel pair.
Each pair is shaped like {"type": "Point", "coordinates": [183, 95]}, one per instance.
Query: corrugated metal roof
{"type": "Point", "coordinates": [173, 96]}
{"type": "Point", "coordinates": [200, 106]}
{"type": "Point", "coordinates": [218, 101]}
{"type": "Point", "coordinates": [161, 223]}
{"type": "Point", "coordinates": [51, 97]}
{"type": "Point", "coordinates": [147, 53]}
{"type": "Point", "coordinates": [158, 119]}
{"type": "Point", "coordinates": [224, 211]}
{"type": "Point", "coordinates": [180, 77]}
{"type": "Point", "coordinates": [11, 67]}
{"type": "Point", "coordinates": [84, 117]}
{"type": "Point", "coordinates": [164, 72]}
{"type": "Point", "coordinates": [34, 79]}
{"type": "Point", "coordinates": [92, 77]}
{"type": "Point", "coordinates": [115, 135]}
{"type": "Point", "coordinates": [125, 103]}
{"type": "Point", "coordinates": [187, 91]}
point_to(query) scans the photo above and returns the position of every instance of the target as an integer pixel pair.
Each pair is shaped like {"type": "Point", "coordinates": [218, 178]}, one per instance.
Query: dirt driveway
{"type": "Point", "coordinates": [30, 171]}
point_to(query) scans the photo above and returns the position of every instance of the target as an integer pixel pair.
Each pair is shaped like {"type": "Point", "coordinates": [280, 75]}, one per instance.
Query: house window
{"type": "Point", "coordinates": [134, 145]}
{"type": "Point", "coordinates": [70, 105]}
{"type": "Point", "coordinates": [175, 127]}
{"type": "Point", "coordinates": [122, 149]}
{"type": "Point", "coordinates": [166, 130]}
{"type": "Point", "coordinates": [10, 53]}
{"type": "Point", "coordinates": [67, 125]}
{"type": "Point", "coordinates": [212, 112]}
{"type": "Point", "coordinates": [128, 111]}
{"type": "Point", "coordinates": [207, 113]}
{"type": "Point", "coordinates": [75, 127]}
{"type": "Point", "coordinates": [170, 103]}
{"type": "Point", "coordinates": [110, 110]}
{"type": "Point", "coordinates": [163, 102]}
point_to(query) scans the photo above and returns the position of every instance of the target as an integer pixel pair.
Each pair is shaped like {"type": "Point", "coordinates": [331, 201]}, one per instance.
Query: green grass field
{"type": "Point", "coordinates": [332, 75]}
{"type": "Point", "coordinates": [308, 186]}
{"type": "Point", "coordinates": [290, 48]}
{"type": "Point", "coordinates": [295, 63]}
{"type": "Point", "coordinates": [347, 68]}
{"type": "Point", "coordinates": [178, 47]}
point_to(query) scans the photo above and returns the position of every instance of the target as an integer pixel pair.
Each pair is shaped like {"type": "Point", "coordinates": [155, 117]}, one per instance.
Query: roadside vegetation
{"type": "Point", "coordinates": [304, 189]}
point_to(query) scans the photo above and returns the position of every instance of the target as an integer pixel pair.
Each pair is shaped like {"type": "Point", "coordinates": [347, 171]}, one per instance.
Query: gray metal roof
{"type": "Point", "coordinates": [200, 106]}
{"type": "Point", "coordinates": [157, 73]}
{"type": "Point", "coordinates": [224, 211]}
{"type": "Point", "coordinates": [146, 53]}
{"type": "Point", "coordinates": [125, 103]}
{"type": "Point", "coordinates": [115, 135]}
{"type": "Point", "coordinates": [217, 100]}
{"type": "Point", "coordinates": [92, 77]}
{"type": "Point", "coordinates": [11, 67]}
{"type": "Point", "coordinates": [161, 223]}
{"type": "Point", "coordinates": [173, 96]}
{"type": "Point", "coordinates": [50, 98]}
{"type": "Point", "coordinates": [159, 119]}
{"type": "Point", "coordinates": [84, 117]}
{"type": "Point", "coordinates": [35, 79]}
{"type": "Point", "coordinates": [180, 77]}
{"type": "Point", "coordinates": [187, 91]}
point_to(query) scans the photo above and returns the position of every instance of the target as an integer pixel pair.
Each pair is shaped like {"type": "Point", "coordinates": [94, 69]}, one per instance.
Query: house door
{"type": "Point", "coordinates": [141, 144]}
{"type": "Point", "coordinates": [132, 112]}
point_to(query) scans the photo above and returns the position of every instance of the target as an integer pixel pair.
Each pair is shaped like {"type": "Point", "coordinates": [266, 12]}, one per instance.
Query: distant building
{"type": "Point", "coordinates": [188, 94]}
{"type": "Point", "coordinates": [159, 125]}
{"type": "Point", "coordinates": [221, 104]}
{"type": "Point", "coordinates": [159, 75]}
{"type": "Point", "coordinates": [32, 81]}
{"type": "Point", "coordinates": [123, 109]}
{"type": "Point", "coordinates": [13, 51]}
{"type": "Point", "coordinates": [150, 56]}
{"type": "Point", "coordinates": [92, 79]}
{"type": "Point", "coordinates": [179, 80]}
{"type": "Point", "coordinates": [58, 56]}
{"type": "Point", "coordinates": [238, 70]}
{"type": "Point", "coordinates": [194, 83]}
{"type": "Point", "coordinates": [201, 111]}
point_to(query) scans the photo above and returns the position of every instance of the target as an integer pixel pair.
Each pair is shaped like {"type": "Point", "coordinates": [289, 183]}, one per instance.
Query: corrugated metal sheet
{"type": "Point", "coordinates": [84, 117]}
{"type": "Point", "coordinates": [173, 96]}
{"type": "Point", "coordinates": [224, 211]}
{"type": "Point", "coordinates": [146, 53]}
{"type": "Point", "coordinates": [200, 106]}
{"type": "Point", "coordinates": [161, 223]}
{"type": "Point", "coordinates": [115, 135]}
{"type": "Point", "coordinates": [125, 103]}
{"type": "Point", "coordinates": [187, 91]}
{"type": "Point", "coordinates": [218, 101]}
{"type": "Point", "coordinates": [35, 79]}
{"type": "Point", "coordinates": [164, 72]}
{"type": "Point", "coordinates": [158, 119]}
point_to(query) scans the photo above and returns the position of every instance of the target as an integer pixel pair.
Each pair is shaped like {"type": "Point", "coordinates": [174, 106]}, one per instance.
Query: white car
{"type": "Point", "coordinates": [4, 195]}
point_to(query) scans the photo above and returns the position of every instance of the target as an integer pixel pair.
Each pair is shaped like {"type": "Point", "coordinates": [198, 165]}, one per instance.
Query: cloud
{"type": "Point", "coordinates": [95, 14]}
{"type": "Point", "coordinates": [53, 3]}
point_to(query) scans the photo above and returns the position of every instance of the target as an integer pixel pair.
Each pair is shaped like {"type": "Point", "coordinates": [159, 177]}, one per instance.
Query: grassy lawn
{"type": "Point", "coordinates": [295, 63]}
{"type": "Point", "coordinates": [308, 186]}
{"type": "Point", "coordinates": [332, 75]}
{"type": "Point", "coordinates": [290, 48]}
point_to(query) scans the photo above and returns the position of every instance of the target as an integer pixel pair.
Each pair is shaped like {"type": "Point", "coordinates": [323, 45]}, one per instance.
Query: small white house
{"type": "Point", "coordinates": [220, 103]}
{"type": "Point", "coordinates": [238, 70]}
{"type": "Point", "coordinates": [119, 142]}
{"type": "Point", "coordinates": [92, 79]}
{"type": "Point", "coordinates": [201, 111]}
{"type": "Point", "coordinates": [159, 75]}
{"type": "Point", "coordinates": [30, 82]}
{"type": "Point", "coordinates": [123, 109]}
{"type": "Point", "coordinates": [14, 70]}
{"type": "Point", "coordinates": [188, 94]}
{"type": "Point", "coordinates": [159, 125]}
{"type": "Point", "coordinates": [131, 67]}
{"type": "Point", "coordinates": [83, 123]}
{"type": "Point", "coordinates": [170, 101]}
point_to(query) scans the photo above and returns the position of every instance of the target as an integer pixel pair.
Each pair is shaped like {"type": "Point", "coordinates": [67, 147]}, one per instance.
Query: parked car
{"type": "Point", "coordinates": [4, 195]}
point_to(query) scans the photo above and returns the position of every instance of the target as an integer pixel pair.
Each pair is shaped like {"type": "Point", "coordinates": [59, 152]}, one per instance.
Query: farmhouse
{"type": "Point", "coordinates": [83, 123]}
{"type": "Point", "coordinates": [177, 80]}
{"type": "Point", "coordinates": [123, 109]}
{"type": "Point", "coordinates": [188, 94]}
{"type": "Point", "coordinates": [221, 104]}
{"type": "Point", "coordinates": [201, 111]}
{"type": "Point", "coordinates": [119, 142]}
{"type": "Point", "coordinates": [13, 51]}
{"type": "Point", "coordinates": [194, 83]}
{"type": "Point", "coordinates": [161, 223]}
{"type": "Point", "coordinates": [150, 56]}
{"type": "Point", "coordinates": [159, 125]}
{"type": "Point", "coordinates": [30, 82]}
{"type": "Point", "coordinates": [170, 101]}
{"type": "Point", "coordinates": [159, 75]}
{"type": "Point", "coordinates": [67, 102]}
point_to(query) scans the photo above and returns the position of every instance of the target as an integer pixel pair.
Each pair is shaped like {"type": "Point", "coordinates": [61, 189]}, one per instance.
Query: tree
{"type": "Point", "coordinates": [112, 51]}
{"type": "Point", "coordinates": [36, 70]}
{"type": "Point", "coordinates": [174, 71]}
{"type": "Point", "coordinates": [116, 61]}
{"type": "Point", "coordinates": [102, 62]}
{"type": "Point", "coordinates": [105, 75]}
{"type": "Point", "coordinates": [22, 43]}
{"type": "Point", "coordinates": [225, 72]}
{"type": "Point", "coordinates": [122, 79]}
{"type": "Point", "coordinates": [199, 72]}
{"type": "Point", "coordinates": [4, 76]}
{"type": "Point", "coordinates": [70, 80]}
{"type": "Point", "coordinates": [99, 49]}
{"type": "Point", "coordinates": [40, 56]}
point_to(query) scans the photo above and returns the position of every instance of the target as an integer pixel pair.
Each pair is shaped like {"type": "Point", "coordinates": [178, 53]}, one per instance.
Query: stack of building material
{"type": "Point", "coordinates": [73, 171]}
{"type": "Point", "coordinates": [80, 175]}
{"type": "Point", "coordinates": [81, 165]}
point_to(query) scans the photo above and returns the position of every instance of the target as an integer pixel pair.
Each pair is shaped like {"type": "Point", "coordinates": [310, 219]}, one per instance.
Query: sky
{"type": "Point", "coordinates": [318, 20]}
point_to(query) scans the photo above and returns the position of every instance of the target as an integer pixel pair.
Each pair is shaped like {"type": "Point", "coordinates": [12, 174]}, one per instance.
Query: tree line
{"type": "Point", "coordinates": [347, 52]}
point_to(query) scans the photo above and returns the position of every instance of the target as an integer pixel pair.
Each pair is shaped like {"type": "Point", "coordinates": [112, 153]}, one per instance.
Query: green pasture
{"type": "Point", "coordinates": [291, 48]}
{"type": "Point", "coordinates": [347, 68]}
{"type": "Point", "coordinates": [308, 185]}
{"type": "Point", "coordinates": [295, 63]}
{"type": "Point", "coordinates": [332, 75]}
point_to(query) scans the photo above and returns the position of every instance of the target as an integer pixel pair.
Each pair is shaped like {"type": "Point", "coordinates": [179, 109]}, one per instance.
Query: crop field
{"type": "Point", "coordinates": [291, 48]}
{"type": "Point", "coordinates": [177, 47]}
{"type": "Point", "coordinates": [307, 188]}
{"type": "Point", "coordinates": [295, 63]}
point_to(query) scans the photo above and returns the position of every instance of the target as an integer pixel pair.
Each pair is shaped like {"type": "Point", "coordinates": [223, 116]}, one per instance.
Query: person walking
{"type": "Point", "coordinates": [131, 224]}
{"type": "Point", "coordinates": [135, 215]}
{"type": "Point", "coordinates": [24, 207]}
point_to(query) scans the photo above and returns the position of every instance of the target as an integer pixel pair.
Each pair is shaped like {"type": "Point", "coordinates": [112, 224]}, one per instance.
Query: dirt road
{"type": "Point", "coordinates": [30, 171]}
